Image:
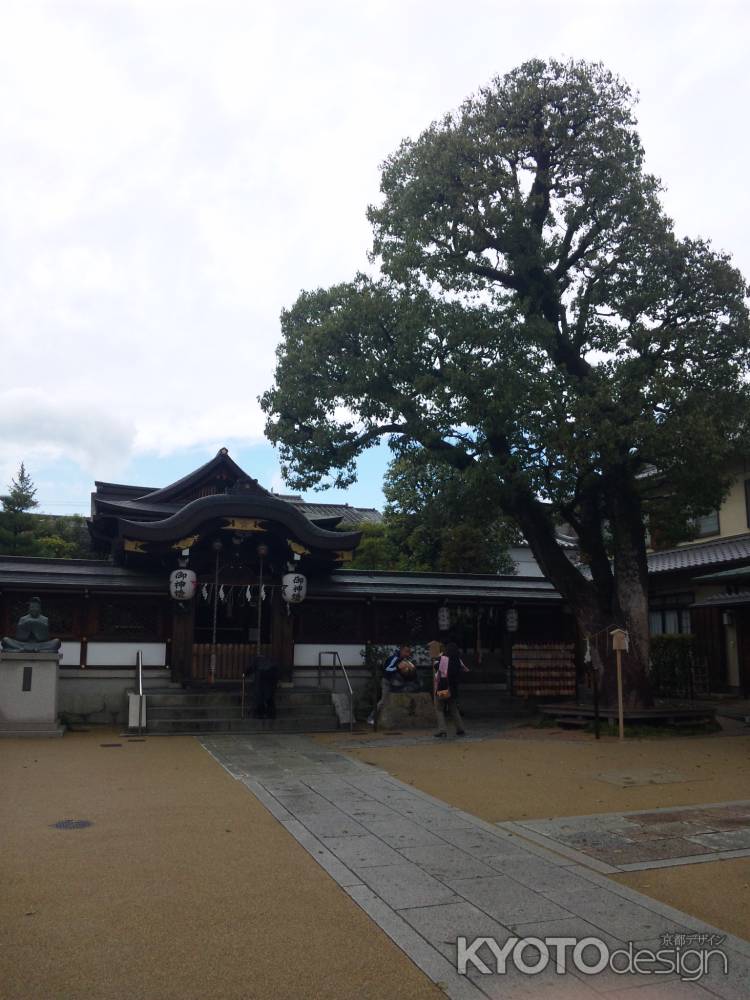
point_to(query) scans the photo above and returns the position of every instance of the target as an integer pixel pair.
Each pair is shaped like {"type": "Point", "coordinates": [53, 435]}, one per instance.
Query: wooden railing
{"type": "Point", "coordinates": [232, 659]}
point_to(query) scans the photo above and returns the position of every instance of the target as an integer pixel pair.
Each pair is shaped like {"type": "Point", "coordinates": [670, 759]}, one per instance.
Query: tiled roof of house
{"type": "Point", "coordinates": [347, 513]}
{"type": "Point", "coordinates": [717, 552]}
{"type": "Point", "coordinates": [741, 598]}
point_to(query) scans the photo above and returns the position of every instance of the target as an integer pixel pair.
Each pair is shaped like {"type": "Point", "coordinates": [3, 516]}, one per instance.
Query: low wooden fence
{"type": "Point", "coordinates": [232, 659]}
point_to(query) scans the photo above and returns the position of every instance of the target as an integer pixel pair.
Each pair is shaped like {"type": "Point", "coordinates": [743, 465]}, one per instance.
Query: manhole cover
{"type": "Point", "coordinates": [72, 824]}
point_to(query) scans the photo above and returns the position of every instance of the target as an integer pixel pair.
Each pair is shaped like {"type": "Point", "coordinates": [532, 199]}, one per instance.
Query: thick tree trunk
{"type": "Point", "coordinates": [630, 571]}
{"type": "Point", "coordinates": [620, 601]}
{"type": "Point", "coordinates": [595, 624]}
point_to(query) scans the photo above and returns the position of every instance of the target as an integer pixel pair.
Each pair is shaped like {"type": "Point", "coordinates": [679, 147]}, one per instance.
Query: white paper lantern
{"type": "Point", "coordinates": [182, 584]}
{"type": "Point", "coordinates": [294, 588]}
{"type": "Point", "coordinates": [444, 619]}
{"type": "Point", "coordinates": [511, 620]}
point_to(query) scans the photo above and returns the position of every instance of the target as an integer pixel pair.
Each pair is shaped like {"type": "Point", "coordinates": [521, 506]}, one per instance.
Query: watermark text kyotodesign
{"type": "Point", "coordinates": [687, 955]}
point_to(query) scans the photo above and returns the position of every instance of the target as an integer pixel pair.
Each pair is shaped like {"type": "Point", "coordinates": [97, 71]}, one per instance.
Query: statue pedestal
{"type": "Point", "coordinates": [407, 711]}
{"type": "Point", "coordinates": [28, 694]}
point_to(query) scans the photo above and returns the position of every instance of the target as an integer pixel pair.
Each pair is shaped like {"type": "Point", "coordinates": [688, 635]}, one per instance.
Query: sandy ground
{"type": "Point", "coordinates": [717, 892]}
{"type": "Point", "coordinates": [529, 776]}
{"type": "Point", "coordinates": [183, 887]}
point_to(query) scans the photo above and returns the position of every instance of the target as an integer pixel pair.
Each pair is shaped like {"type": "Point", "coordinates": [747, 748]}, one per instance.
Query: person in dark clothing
{"type": "Point", "coordinates": [447, 680]}
{"type": "Point", "coordinates": [265, 678]}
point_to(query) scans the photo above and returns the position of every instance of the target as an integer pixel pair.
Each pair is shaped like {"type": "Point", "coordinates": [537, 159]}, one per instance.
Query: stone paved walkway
{"type": "Point", "coordinates": [427, 873]}
{"type": "Point", "coordinates": [652, 838]}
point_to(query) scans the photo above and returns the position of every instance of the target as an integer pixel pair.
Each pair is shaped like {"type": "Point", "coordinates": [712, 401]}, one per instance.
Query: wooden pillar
{"type": "Point", "coordinates": [282, 637]}
{"type": "Point", "coordinates": [181, 653]}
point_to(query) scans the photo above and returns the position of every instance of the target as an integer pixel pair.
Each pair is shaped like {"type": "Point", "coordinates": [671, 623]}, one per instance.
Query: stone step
{"type": "Point", "coordinates": [234, 711]}
{"type": "Point", "coordinates": [278, 725]}
{"type": "Point", "coordinates": [284, 696]}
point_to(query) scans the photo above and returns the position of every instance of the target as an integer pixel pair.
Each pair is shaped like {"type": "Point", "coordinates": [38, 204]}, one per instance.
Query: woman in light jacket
{"type": "Point", "coordinates": [447, 678]}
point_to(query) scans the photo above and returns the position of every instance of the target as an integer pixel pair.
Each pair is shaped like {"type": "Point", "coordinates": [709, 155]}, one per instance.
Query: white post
{"type": "Point", "coordinates": [620, 642]}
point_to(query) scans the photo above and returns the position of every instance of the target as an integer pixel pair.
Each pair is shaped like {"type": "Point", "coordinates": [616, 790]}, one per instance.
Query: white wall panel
{"type": "Point", "coordinates": [122, 654]}
{"type": "Point", "coordinates": [71, 654]}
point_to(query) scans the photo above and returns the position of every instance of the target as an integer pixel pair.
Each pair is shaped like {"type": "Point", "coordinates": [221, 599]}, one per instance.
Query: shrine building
{"type": "Point", "coordinates": [241, 541]}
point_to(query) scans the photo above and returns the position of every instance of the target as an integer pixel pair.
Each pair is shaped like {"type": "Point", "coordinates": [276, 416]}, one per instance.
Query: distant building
{"type": "Point", "coordinates": [703, 587]}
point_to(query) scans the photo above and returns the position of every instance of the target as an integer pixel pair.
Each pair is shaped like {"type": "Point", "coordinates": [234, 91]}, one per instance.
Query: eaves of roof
{"type": "Point", "coordinates": [32, 573]}
{"type": "Point", "coordinates": [724, 600]}
{"type": "Point", "coordinates": [717, 552]}
{"type": "Point", "coordinates": [343, 583]}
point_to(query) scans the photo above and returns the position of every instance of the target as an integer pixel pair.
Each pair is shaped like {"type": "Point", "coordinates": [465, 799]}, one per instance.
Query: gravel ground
{"type": "Point", "coordinates": [183, 886]}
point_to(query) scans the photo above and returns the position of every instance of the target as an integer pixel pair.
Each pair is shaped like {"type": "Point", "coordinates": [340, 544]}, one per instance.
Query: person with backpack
{"type": "Point", "coordinates": [393, 679]}
{"type": "Point", "coordinates": [450, 666]}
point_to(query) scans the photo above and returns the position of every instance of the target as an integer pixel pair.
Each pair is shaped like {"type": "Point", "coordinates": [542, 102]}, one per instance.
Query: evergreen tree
{"type": "Point", "coordinates": [16, 522]}
{"type": "Point", "coordinates": [536, 317]}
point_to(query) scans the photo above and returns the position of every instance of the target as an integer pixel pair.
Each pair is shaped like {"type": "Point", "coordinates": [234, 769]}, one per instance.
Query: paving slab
{"type": "Point", "coordinates": [405, 885]}
{"type": "Point", "coordinates": [364, 851]}
{"type": "Point", "coordinates": [441, 925]}
{"type": "Point", "coordinates": [482, 843]}
{"type": "Point", "coordinates": [445, 861]}
{"type": "Point", "coordinates": [401, 832]}
{"type": "Point", "coordinates": [506, 900]}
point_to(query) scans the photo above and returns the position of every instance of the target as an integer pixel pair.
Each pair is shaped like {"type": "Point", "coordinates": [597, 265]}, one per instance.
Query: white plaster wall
{"type": "Point", "coordinates": [359, 677]}
{"type": "Point", "coordinates": [306, 653]}
{"type": "Point", "coordinates": [122, 654]}
{"type": "Point", "coordinates": [71, 654]}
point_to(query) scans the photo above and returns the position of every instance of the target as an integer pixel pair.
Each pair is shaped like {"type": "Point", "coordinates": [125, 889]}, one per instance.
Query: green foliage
{"type": "Point", "coordinates": [24, 533]}
{"type": "Point", "coordinates": [677, 670]}
{"type": "Point", "coordinates": [65, 536]}
{"type": "Point", "coordinates": [436, 520]}
{"type": "Point", "coordinates": [375, 550]}
{"type": "Point", "coordinates": [536, 317]}
{"type": "Point", "coordinates": [444, 520]}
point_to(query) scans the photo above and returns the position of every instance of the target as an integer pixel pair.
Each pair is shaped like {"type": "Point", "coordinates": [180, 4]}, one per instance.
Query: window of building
{"type": "Point", "coordinates": [707, 525]}
{"type": "Point", "coordinates": [747, 502]}
{"type": "Point", "coordinates": [669, 621]}
{"type": "Point", "coordinates": [669, 614]}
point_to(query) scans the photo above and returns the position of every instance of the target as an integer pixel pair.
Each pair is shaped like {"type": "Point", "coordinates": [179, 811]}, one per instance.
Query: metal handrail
{"type": "Point", "coordinates": [337, 659]}
{"type": "Point", "coordinates": [139, 687]}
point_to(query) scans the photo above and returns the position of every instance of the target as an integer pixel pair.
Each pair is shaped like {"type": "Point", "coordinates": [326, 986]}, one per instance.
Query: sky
{"type": "Point", "coordinates": [174, 174]}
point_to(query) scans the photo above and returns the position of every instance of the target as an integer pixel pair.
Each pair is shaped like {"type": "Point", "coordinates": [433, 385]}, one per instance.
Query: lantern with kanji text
{"type": "Point", "coordinates": [182, 584]}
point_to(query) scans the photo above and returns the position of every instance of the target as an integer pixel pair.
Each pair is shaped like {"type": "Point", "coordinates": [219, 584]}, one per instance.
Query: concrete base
{"type": "Point", "coordinates": [28, 694]}
{"type": "Point", "coordinates": [407, 711]}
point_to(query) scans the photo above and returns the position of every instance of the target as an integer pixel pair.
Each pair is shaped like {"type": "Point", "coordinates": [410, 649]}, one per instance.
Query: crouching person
{"type": "Point", "coordinates": [393, 677]}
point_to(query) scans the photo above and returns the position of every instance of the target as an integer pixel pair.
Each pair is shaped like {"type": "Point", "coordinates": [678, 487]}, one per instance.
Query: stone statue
{"type": "Point", "coordinates": [32, 633]}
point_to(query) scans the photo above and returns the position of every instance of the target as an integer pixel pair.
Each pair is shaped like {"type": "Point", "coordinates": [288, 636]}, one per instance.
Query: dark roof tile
{"type": "Point", "coordinates": [717, 552]}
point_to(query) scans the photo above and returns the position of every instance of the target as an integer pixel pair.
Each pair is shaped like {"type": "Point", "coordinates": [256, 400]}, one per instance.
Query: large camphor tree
{"type": "Point", "coordinates": [533, 316]}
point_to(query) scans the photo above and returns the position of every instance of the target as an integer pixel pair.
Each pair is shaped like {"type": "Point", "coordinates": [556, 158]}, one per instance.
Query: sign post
{"type": "Point", "coordinates": [619, 643]}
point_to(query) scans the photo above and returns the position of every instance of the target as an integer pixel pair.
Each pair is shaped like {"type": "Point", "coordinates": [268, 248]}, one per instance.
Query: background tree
{"type": "Point", "coordinates": [16, 523]}
{"type": "Point", "coordinates": [436, 519]}
{"type": "Point", "coordinates": [24, 533]}
{"type": "Point", "coordinates": [536, 317]}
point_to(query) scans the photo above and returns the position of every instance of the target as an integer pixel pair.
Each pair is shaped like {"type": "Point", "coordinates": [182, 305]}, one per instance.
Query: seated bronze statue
{"type": "Point", "coordinates": [32, 633]}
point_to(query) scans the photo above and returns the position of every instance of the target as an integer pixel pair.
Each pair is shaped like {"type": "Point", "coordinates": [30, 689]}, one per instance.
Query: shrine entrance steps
{"type": "Point", "coordinates": [219, 710]}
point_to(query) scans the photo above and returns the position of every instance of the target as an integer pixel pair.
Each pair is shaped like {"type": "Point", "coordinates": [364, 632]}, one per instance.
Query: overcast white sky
{"type": "Point", "coordinates": [174, 173]}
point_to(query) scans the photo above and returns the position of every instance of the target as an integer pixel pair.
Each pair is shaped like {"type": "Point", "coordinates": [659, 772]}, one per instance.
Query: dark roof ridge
{"type": "Point", "coordinates": [220, 459]}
